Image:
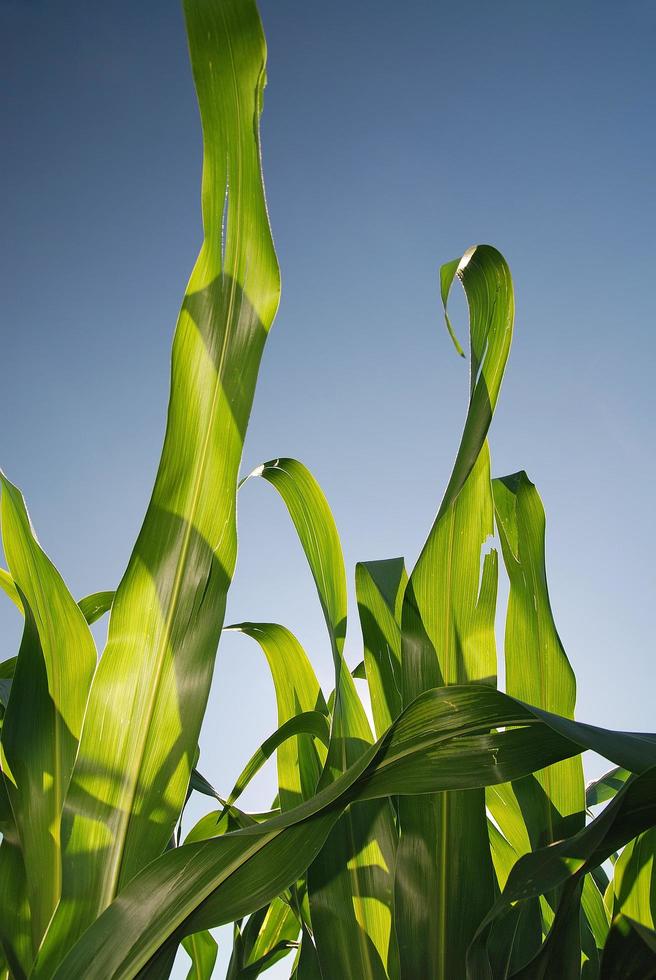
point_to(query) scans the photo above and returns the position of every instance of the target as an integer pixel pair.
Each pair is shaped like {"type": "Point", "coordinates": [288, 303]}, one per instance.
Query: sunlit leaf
{"type": "Point", "coordinates": [444, 873]}
{"type": "Point", "coordinates": [151, 687]}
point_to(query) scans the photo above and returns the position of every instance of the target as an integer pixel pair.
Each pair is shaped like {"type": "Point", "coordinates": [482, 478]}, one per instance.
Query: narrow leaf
{"type": "Point", "coordinates": [202, 950]}
{"type": "Point", "coordinates": [297, 690]}
{"type": "Point", "coordinates": [380, 586]}
{"type": "Point", "coordinates": [306, 723]}
{"type": "Point", "coordinates": [52, 675]}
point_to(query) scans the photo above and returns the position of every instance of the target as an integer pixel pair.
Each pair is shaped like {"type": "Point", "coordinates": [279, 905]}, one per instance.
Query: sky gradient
{"type": "Point", "coordinates": [394, 137]}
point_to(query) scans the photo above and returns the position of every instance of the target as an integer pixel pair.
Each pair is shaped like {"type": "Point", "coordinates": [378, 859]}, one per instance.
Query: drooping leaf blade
{"type": "Point", "coordinates": [312, 723]}
{"type": "Point", "coordinates": [632, 811]}
{"type": "Point", "coordinates": [317, 533]}
{"type": "Point", "coordinates": [297, 690]}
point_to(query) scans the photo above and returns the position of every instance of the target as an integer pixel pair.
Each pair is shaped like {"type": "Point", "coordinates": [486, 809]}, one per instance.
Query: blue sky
{"type": "Point", "coordinates": [394, 136]}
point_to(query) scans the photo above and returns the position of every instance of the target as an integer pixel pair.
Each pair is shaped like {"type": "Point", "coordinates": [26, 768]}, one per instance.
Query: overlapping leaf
{"type": "Point", "coordinates": [448, 738]}
{"type": "Point", "coordinates": [444, 877]}
{"type": "Point", "coordinates": [52, 676]}
{"type": "Point", "coordinates": [380, 587]}
{"type": "Point", "coordinates": [550, 805]}
{"type": "Point", "coordinates": [350, 881]}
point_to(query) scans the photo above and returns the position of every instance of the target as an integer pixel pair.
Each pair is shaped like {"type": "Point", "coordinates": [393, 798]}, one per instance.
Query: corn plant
{"type": "Point", "coordinates": [454, 840]}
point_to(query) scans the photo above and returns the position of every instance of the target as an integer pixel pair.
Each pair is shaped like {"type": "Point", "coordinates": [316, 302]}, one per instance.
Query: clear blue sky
{"type": "Point", "coordinates": [395, 135]}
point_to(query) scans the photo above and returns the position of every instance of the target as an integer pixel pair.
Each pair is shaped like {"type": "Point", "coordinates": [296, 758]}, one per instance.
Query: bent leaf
{"type": "Point", "coordinates": [447, 739]}
{"type": "Point", "coordinates": [306, 723]}
{"type": "Point", "coordinates": [297, 690]}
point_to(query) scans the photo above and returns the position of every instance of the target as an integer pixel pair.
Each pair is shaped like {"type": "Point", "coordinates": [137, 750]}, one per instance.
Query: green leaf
{"type": "Point", "coordinates": [253, 970]}
{"type": "Point", "coordinates": [270, 934]}
{"type": "Point", "coordinates": [8, 586]}
{"type": "Point", "coordinates": [444, 874]}
{"type": "Point", "coordinates": [52, 675]}
{"type": "Point", "coordinates": [150, 691]}
{"type": "Point", "coordinates": [634, 881]}
{"type": "Point", "coordinates": [317, 533]}
{"type": "Point", "coordinates": [595, 911]}
{"type": "Point", "coordinates": [630, 952]}
{"type": "Point", "coordinates": [551, 802]}
{"type": "Point", "coordinates": [350, 882]}
{"type": "Point", "coordinates": [297, 690]}
{"type": "Point", "coordinates": [306, 723]}
{"type": "Point", "coordinates": [380, 586]}
{"type": "Point", "coordinates": [202, 950]}
{"type": "Point", "coordinates": [15, 919]}
{"type": "Point", "coordinates": [307, 966]}
{"type": "Point", "coordinates": [632, 811]}
{"type": "Point", "coordinates": [603, 789]}
{"type": "Point", "coordinates": [96, 605]}
{"type": "Point", "coordinates": [92, 606]}
{"type": "Point", "coordinates": [537, 669]}
{"type": "Point", "coordinates": [7, 669]}
{"type": "Point", "coordinates": [30, 762]}
{"type": "Point", "coordinates": [448, 738]}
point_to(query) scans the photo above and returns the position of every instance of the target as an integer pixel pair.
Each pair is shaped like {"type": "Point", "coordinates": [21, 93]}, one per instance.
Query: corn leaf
{"type": "Point", "coordinates": [93, 606]}
{"type": "Point", "coordinates": [551, 803]}
{"type": "Point", "coordinates": [630, 952]}
{"type": "Point", "coordinates": [150, 691]}
{"type": "Point", "coordinates": [315, 526]}
{"type": "Point", "coordinates": [537, 668]}
{"type": "Point", "coordinates": [444, 875]}
{"type": "Point", "coordinates": [270, 934]}
{"type": "Point", "coordinates": [96, 605]}
{"type": "Point", "coordinates": [350, 882]}
{"type": "Point", "coordinates": [307, 966]}
{"type": "Point", "coordinates": [15, 919]}
{"type": "Point", "coordinates": [202, 949]}
{"type": "Point", "coordinates": [632, 811]}
{"type": "Point", "coordinates": [297, 691]}
{"type": "Point", "coordinates": [53, 672]}
{"type": "Point", "coordinates": [634, 881]}
{"type": "Point", "coordinates": [448, 738]}
{"type": "Point", "coordinates": [306, 723]}
{"type": "Point", "coordinates": [380, 586]}
{"type": "Point", "coordinates": [603, 789]}
{"type": "Point", "coordinates": [9, 588]}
